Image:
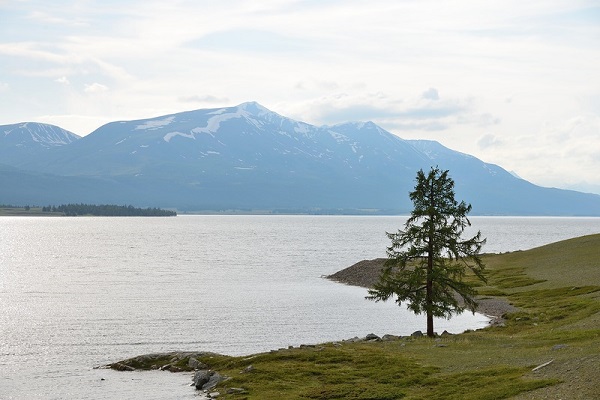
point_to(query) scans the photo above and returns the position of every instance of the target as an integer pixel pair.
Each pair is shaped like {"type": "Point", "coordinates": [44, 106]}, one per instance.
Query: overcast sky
{"type": "Point", "coordinates": [515, 83]}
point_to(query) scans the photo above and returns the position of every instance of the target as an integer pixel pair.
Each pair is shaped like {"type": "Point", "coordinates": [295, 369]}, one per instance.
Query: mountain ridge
{"type": "Point", "coordinates": [248, 157]}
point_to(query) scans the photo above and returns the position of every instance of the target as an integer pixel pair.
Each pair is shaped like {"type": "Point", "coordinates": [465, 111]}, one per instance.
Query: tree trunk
{"type": "Point", "coordinates": [429, 288]}
{"type": "Point", "coordinates": [428, 300]}
{"type": "Point", "coordinates": [429, 283]}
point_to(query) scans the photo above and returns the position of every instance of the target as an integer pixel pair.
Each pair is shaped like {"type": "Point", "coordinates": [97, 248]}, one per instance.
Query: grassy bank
{"type": "Point", "coordinates": [557, 291]}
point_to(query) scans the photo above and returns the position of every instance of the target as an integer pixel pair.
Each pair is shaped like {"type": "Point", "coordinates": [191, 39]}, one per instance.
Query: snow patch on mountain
{"type": "Point", "coordinates": [167, 138]}
{"type": "Point", "coordinates": [302, 128]}
{"type": "Point", "coordinates": [212, 126]}
{"type": "Point", "coordinates": [155, 124]}
{"type": "Point", "coordinates": [217, 112]}
{"type": "Point", "coordinates": [338, 136]}
{"type": "Point", "coordinates": [42, 135]}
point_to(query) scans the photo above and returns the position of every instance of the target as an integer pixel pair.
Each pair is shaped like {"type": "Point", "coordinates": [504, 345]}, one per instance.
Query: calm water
{"type": "Point", "coordinates": [76, 293]}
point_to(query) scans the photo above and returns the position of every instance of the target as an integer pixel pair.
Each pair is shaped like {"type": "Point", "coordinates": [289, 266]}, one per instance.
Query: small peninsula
{"type": "Point", "coordinates": [73, 210]}
{"type": "Point", "coordinates": [547, 347]}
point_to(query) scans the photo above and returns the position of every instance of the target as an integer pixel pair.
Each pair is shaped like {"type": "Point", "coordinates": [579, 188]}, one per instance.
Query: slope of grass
{"type": "Point", "coordinates": [557, 290]}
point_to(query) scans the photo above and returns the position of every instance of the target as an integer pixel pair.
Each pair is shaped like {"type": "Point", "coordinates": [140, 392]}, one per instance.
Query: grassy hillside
{"type": "Point", "coordinates": [557, 291]}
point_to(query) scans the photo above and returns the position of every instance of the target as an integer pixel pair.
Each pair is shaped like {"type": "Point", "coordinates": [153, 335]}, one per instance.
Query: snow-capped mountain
{"type": "Point", "coordinates": [28, 139]}
{"type": "Point", "coordinates": [248, 157]}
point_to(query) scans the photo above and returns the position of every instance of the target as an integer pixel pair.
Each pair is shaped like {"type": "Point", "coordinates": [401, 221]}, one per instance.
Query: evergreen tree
{"type": "Point", "coordinates": [428, 260]}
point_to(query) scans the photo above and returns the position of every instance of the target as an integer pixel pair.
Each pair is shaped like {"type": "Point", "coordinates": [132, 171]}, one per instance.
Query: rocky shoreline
{"type": "Point", "coordinates": [365, 274]}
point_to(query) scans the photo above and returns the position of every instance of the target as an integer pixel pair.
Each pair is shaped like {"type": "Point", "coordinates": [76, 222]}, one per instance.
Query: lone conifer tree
{"type": "Point", "coordinates": [428, 260]}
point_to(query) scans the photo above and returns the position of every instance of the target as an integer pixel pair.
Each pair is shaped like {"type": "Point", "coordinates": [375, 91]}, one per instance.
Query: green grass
{"type": "Point", "coordinates": [557, 291]}
{"type": "Point", "coordinates": [376, 371]}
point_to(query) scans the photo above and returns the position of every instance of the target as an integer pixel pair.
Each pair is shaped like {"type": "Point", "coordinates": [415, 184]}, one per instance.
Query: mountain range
{"type": "Point", "coordinates": [248, 158]}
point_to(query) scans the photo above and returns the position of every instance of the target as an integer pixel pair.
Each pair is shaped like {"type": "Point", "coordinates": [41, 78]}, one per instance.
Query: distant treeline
{"type": "Point", "coordinates": [107, 210]}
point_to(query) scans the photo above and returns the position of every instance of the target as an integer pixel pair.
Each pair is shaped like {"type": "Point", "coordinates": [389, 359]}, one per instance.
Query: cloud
{"type": "Point", "coordinates": [31, 50]}
{"type": "Point", "coordinates": [431, 94]}
{"type": "Point", "coordinates": [95, 88]}
{"type": "Point", "coordinates": [488, 140]}
{"type": "Point", "coordinates": [210, 99]}
{"type": "Point", "coordinates": [561, 153]}
{"type": "Point", "coordinates": [392, 113]}
{"type": "Point", "coordinates": [481, 78]}
{"type": "Point", "coordinates": [251, 40]}
{"type": "Point", "coordinates": [3, 87]}
{"type": "Point", "coordinates": [63, 80]}
{"type": "Point", "coordinates": [46, 18]}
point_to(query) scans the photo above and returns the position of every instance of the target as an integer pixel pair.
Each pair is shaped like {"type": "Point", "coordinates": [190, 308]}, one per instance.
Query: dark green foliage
{"type": "Point", "coordinates": [428, 260]}
{"type": "Point", "coordinates": [109, 210]}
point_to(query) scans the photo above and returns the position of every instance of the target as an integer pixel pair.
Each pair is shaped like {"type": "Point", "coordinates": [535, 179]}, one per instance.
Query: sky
{"type": "Point", "coordinates": [514, 83]}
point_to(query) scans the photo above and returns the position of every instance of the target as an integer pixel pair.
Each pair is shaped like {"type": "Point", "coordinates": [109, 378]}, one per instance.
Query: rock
{"type": "Point", "coordinates": [445, 333]}
{"type": "Point", "coordinates": [249, 368]}
{"type": "Point", "coordinates": [121, 367]}
{"type": "Point", "coordinates": [389, 338]}
{"type": "Point", "coordinates": [158, 360]}
{"type": "Point", "coordinates": [354, 339]}
{"type": "Point", "coordinates": [559, 346]}
{"type": "Point", "coordinates": [193, 362]}
{"type": "Point", "coordinates": [417, 334]}
{"type": "Point", "coordinates": [214, 380]}
{"type": "Point", "coordinates": [201, 378]}
{"type": "Point", "coordinates": [234, 390]}
{"type": "Point", "coordinates": [213, 395]}
{"type": "Point", "coordinates": [165, 367]}
{"type": "Point", "coordinates": [372, 336]}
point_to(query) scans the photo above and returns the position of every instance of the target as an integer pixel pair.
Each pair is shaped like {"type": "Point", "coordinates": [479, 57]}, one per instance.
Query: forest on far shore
{"type": "Point", "coordinates": [73, 210]}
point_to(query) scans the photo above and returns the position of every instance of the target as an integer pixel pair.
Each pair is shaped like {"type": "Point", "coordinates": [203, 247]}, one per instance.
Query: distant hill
{"type": "Point", "coordinates": [27, 140]}
{"type": "Point", "coordinates": [250, 158]}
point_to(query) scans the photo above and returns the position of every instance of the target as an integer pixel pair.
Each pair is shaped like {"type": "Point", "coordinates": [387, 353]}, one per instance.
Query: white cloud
{"type": "Point", "coordinates": [47, 18]}
{"type": "Point", "coordinates": [206, 99]}
{"type": "Point", "coordinates": [95, 88]}
{"type": "Point", "coordinates": [488, 140]}
{"type": "Point", "coordinates": [63, 79]}
{"type": "Point", "coordinates": [431, 94]}
{"type": "Point", "coordinates": [505, 81]}
{"type": "Point", "coordinates": [560, 153]}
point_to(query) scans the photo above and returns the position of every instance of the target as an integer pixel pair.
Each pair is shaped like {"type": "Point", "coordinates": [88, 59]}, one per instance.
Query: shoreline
{"type": "Point", "coordinates": [365, 274]}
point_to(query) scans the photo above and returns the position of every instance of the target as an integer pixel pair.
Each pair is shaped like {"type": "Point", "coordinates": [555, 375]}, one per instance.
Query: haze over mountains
{"type": "Point", "coordinates": [249, 158]}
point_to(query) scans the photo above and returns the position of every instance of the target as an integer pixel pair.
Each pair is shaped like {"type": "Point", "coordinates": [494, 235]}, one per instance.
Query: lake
{"type": "Point", "coordinates": [77, 293]}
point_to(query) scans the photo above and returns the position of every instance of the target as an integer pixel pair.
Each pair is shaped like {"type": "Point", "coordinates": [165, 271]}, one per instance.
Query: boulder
{"type": "Point", "coordinates": [214, 380]}
{"type": "Point", "coordinates": [196, 364]}
{"type": "Point", "coordinates": [417, 334]}
{"type": "Point", "coordinates": [202, 377]}
{"type": "Point", "coordinates": [372, 336]}
{"type": "Point", "coordinates": [206, 379]}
